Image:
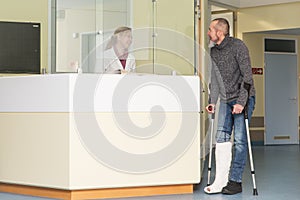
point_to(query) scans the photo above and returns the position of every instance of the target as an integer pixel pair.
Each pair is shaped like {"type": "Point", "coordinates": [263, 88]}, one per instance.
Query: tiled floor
{"type": "Point", "coordinates": [277, 175]}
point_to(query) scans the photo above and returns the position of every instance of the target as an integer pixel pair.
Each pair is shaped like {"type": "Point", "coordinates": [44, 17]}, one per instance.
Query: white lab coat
{"type": "Point", "coordinates": [112, 63]}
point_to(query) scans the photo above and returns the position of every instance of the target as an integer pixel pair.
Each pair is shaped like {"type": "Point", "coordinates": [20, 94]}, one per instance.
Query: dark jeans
{"type": "Point", "coordinates": [226, 122]}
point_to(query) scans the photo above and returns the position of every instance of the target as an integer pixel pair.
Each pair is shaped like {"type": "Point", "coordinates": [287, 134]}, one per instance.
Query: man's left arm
{"type": "Point", "coordinates": [243, 59]}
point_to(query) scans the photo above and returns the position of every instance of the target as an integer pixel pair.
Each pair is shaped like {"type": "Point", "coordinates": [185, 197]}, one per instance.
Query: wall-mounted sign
{"type": "Point", "coordinates": [257, 71]}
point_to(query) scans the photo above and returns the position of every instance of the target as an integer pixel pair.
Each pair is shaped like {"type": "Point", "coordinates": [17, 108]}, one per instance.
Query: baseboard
{"type": "Point", "coordinates": [96, 193]}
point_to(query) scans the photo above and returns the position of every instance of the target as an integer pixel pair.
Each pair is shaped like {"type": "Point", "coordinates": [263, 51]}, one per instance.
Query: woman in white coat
{"type": "Point", "coordinates": [117, 58]}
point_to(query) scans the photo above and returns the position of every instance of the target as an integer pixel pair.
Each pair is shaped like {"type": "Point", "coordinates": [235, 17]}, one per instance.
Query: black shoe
{"type": "Point", "coordinates": [232, 187]}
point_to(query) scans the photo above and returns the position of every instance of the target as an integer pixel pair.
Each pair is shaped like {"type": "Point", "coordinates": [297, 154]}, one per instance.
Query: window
{"type": "Point", "coordinates": [280, 45]}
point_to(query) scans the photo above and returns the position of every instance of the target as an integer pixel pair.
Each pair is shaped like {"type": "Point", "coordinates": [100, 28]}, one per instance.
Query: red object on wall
{"type": "Point", "coordinates": [257, 71]}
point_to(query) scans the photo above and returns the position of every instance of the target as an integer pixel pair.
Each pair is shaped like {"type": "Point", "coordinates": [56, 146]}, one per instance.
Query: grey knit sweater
{"type": "Point", "coordinates": [231, 68]}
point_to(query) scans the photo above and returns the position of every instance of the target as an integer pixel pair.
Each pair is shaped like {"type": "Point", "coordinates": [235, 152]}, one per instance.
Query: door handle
{"type": "Point", "coordinates": [293, 98]}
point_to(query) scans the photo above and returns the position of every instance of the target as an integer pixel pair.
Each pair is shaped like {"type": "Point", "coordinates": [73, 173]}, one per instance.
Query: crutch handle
{"type": "Point", "coordinates": [211, 108]}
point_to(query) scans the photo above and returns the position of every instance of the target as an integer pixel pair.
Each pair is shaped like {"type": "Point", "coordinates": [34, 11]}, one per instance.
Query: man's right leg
{"type": "Point", "coordinates": [234, 185]}
{"type": "Point", "coordinates": [223, 162]}
{"type": "Point", "coordinates": [223, 150]}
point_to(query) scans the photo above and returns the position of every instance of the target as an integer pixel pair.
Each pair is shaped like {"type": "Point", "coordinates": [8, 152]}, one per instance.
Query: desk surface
{"type": "Point", "coordinates": [99, 93]}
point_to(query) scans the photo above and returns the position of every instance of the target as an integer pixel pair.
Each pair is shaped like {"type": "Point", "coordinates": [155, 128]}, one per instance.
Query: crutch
{"type": "Point", "coordinates": [210, 108]}
{"type": "Point", "coordinates": [247, 87]}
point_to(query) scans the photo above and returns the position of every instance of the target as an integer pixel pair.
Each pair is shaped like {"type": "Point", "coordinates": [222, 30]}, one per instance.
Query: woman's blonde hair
{"type": "Point", "coordinates": [113, 38]}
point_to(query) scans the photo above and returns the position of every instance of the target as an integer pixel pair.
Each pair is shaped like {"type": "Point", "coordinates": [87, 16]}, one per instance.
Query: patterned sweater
{"type": "Point", "coordinates": [231, 68]}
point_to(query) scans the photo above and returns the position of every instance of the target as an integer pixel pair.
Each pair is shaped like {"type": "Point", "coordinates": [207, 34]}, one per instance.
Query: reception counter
{"type": "Point", "coordinates": [88, 136]}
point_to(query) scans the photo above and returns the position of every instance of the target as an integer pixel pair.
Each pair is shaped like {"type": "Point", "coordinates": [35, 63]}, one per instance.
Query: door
{"type": "Point", "coordinates": [281, 99]}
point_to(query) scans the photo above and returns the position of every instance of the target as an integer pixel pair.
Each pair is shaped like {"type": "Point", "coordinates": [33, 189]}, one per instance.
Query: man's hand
{"type": "Point", "coordinates": [210, 108]}
{"type": "Point", "coordinates": [237, 109]}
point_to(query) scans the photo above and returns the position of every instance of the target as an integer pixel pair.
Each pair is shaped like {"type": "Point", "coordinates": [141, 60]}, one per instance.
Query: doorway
{"type": "Point", "coordinates": [281, 92]}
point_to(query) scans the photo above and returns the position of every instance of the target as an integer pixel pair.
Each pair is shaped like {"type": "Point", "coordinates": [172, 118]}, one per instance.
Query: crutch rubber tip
{"type": "Point", "coordinates": [255, 192]}
{"type": "Point", "coordinates": [208, 184]}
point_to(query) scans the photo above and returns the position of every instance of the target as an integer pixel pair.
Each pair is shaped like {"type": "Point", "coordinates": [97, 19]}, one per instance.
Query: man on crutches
{"type": "Point", "coordinates": [231, 71]}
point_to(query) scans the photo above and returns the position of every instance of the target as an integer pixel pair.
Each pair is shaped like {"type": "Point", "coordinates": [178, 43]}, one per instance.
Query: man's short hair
{"type": "Point", "coordinates": [223, 25]}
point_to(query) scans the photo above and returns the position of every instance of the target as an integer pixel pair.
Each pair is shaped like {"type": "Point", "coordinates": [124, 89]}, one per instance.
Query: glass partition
{"type": "Point", "coordinates": [91, 36]}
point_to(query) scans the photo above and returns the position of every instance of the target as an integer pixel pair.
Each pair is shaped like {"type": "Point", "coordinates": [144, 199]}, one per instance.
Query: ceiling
{"type": "Point", "coordinates": [250, 3]}
{"type": "Point", "coordinates": [235, 4]}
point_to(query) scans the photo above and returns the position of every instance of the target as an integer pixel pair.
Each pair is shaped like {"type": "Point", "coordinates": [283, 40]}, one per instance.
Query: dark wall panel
{"type": "Point", "coordinates": [19, 47]}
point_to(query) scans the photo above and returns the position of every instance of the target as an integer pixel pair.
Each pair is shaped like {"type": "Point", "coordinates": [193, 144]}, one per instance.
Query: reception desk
{"type": "Point", "coordinates": [88, 136]}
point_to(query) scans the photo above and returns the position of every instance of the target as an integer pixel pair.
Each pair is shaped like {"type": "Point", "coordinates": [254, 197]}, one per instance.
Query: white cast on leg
{"type": "Point", "coordinates": [223, 162]}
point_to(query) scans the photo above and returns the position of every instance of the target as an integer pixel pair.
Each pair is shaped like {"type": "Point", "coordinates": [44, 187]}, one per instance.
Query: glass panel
{"type": "Point", "coordinates": [75, 33]}
{"type": "Point", "coordinates": [161, 39]}
{"type": "Point", "coordinates": [111, 14]}
{"type": "Point", "coordinates": [166, 29]}
{"type": "Point", "coordinates": [174, 46]}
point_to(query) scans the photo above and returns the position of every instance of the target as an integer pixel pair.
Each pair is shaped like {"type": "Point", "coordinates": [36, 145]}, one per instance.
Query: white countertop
{"type": "Point", "coordinates": [99, 93]}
